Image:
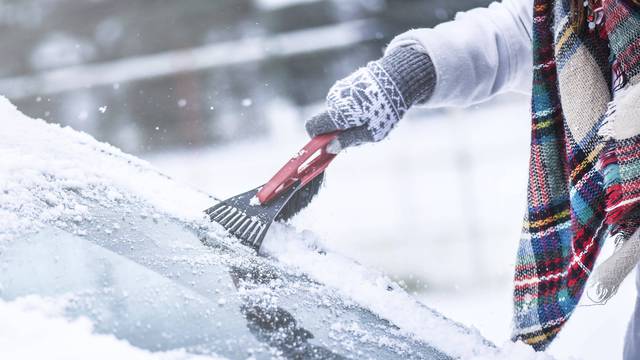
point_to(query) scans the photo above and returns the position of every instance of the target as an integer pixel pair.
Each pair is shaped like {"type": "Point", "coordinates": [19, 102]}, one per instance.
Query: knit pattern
{"type": "Point", "coordinates": [368, 96]}
{"type": "Point", "coordinates": [584, 174]}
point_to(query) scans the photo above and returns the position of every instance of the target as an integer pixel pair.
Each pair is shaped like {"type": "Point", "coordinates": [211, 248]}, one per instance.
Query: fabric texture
{"type": "Point", "coordinates": [584, 167]}
{"type": "Point", "coordinates": [482, 53]}
{"type": "Point", "coordinates": [584, 173]}
{"type": "Point", "coordinates": [377, 96]}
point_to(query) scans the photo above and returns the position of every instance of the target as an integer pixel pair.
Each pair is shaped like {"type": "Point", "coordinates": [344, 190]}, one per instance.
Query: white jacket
{"type": "Point", "coordinates": [482, 53]}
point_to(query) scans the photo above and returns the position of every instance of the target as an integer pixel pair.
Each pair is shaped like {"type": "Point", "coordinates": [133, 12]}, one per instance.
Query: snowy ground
{"type": "Point", "coordinates": [438, 206]}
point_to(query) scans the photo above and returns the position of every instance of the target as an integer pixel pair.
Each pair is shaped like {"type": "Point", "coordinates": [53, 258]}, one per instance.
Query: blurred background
{"type": "Point", "coordinates": [202, 71]}
{"type": "Point", "coordinates": [215, 93]}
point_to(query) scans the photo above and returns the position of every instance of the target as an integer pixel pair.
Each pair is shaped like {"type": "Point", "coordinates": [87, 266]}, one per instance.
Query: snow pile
{"type": "Point", "coordinates": [34, 328]}
{"type": "Point", "coordinates": [42, 164]}
{"type": "Point", "coordinates": [378, 293]}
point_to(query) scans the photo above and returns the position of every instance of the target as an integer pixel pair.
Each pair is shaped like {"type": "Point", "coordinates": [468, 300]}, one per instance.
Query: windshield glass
{"type": "Point", "coordinates": [150, 280]}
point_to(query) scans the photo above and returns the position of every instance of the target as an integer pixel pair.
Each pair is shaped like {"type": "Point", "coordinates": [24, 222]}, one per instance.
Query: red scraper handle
{"type": "Point", "coordinates": [310, 162]}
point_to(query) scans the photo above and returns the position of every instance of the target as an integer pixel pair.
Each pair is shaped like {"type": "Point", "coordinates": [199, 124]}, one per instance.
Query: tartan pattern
{"type": "Point", "coordinates": [584, 183]}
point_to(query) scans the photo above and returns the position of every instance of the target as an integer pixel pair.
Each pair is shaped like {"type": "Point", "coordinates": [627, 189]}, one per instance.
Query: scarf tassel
{"type": "Point", "coordinates": [622, 227]}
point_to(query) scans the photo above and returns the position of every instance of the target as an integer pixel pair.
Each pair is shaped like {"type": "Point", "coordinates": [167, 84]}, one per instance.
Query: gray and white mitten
{"type": "Point", "coordinates": [367, 104]}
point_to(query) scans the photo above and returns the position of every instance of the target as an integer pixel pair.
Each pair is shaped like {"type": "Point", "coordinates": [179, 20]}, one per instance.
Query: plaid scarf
{"type": "Point", "coordinates": [584, 175]}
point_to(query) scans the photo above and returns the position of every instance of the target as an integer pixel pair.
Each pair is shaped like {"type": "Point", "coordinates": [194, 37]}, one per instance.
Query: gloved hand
{"type": "Point", "coordinates": [368, 103]}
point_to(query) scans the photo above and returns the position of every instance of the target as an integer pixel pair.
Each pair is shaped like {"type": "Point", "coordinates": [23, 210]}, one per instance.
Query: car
{"type": "Point", "coordinates": [130, 249]}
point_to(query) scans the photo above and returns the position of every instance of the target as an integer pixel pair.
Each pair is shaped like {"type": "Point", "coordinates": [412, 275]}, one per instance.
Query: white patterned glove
{"type": "Point", "coordinates": [367, 104]}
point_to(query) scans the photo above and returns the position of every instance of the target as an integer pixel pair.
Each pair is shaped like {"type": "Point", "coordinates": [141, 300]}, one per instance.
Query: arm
{"type": "Point", "coordinates": [483, 52]}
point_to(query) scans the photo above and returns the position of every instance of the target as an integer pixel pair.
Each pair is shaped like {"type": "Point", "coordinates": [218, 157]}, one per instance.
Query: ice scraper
{"type": "Point", "coordinates": [249, 215]}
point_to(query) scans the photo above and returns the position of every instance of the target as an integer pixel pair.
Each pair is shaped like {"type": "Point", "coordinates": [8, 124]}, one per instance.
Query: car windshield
{"type": "Point", "coordinates": [130, 250]}
{"type": "Point", "coordinates": [151, 281]}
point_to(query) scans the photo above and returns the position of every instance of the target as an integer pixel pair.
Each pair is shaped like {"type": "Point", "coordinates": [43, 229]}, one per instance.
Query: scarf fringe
{"type": "Point", "coordinates": [608, 276]}
{"type": "Point", "coordinates": [606, 130]}
{"type": "Point", "coordinates": [583, 188]}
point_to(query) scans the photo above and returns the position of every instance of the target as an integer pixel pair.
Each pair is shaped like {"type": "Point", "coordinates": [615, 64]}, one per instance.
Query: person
{"type": "Point", "coordinates": [580, 61]}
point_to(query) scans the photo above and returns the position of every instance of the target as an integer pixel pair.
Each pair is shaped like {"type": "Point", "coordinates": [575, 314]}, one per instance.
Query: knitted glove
{"type": "Point", "coordinates": [368, 103]}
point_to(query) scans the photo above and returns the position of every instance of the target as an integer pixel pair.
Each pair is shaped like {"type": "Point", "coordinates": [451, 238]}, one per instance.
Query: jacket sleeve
{"type": "Point", "coordinates": [482, 53]}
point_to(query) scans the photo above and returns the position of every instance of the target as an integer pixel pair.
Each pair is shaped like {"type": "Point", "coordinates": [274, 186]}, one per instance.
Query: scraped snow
{"type": "Point", "coordinates": [378, 293]}
{"type": "Point", "coordinates": [35, 328]}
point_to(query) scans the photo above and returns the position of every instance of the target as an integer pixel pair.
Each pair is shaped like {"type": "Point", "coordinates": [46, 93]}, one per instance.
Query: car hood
{"type": "Point", "coordinates": [130, 249]}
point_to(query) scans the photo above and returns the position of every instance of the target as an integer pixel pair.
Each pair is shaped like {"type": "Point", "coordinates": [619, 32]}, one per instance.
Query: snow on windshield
{"type": "Point", "coordinates": [40, 164]}
{"type": "Point", "coordinates": [26, 320]}
{"type": "Point", "coordinates": [369, 288]}
{"type": "Point", "coordinates": [43, 163]}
